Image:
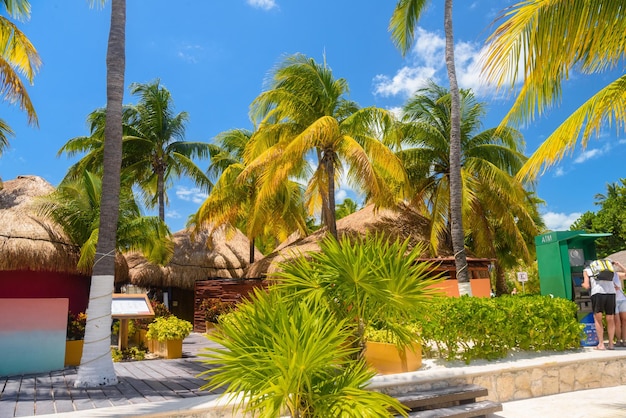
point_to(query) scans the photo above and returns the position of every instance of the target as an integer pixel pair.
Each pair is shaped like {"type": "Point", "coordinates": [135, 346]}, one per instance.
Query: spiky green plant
{"type": "Point", "coordinates": [368, 280]}
{"type": "Point", "coordinates": [282, 357]}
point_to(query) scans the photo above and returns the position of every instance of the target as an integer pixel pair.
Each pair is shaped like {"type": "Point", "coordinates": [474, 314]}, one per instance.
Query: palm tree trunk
{"type": "Point", "coordinates": [251, 257]}
{"type": "Point", "coordinates": [161, 192]}
{"type": "Point", "coordinates": [96, 365]}
{"type": "Point", "coordinates": [330, 172]}
{"type": "Point", "coordinates": [456, 186]}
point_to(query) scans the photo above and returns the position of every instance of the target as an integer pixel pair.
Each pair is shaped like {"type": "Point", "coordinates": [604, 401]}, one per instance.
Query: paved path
{"type": "Point", "coordinates": [139, 382]}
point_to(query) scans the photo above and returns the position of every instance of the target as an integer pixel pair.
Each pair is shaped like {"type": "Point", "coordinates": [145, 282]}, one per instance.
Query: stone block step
{"type": "Point", "coordinates": [475, 409]}
{"type": "Point", "coordinates": [435, 398]}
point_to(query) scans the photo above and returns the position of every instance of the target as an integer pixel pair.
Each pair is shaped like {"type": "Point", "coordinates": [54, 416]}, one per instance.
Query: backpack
{"type": "Point", "coordinates": [602, 270]}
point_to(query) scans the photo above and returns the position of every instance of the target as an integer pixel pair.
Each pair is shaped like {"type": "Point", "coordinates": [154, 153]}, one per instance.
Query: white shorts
{"type": "Point", "coordinates": [620, 306]}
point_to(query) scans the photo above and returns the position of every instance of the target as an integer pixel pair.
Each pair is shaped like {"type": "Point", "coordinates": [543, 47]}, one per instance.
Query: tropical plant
{"type": "Point", "coordinates": [609, 218]}
{"type": "Point", "coordinates": [501, 216]}
{"type": "Point", "coordinates": [304, 115]}
{"type": "Point", "coordinates": [153, 150]}
{"type": "Point", "coordinates": [156, 150]}
{"type": "Point", "coordinates": [96, 365]}
{"type": "Point", "coordinates": [345, 208]}
{"type": "Point", "coordinates": [76, 326]}
{"type": "Point", "coordinates": [585, 36]}
{"type": "Point", "coordinates": [75, 207]}
{"type": "Point", "coordinates": [19, 56]}
{"type": "Point", "coordinates": [373, 280]}
{"type": "Point", "coordinates": [231, 202]}
{"type": "Point", "coordinates": [298, 361]}
{"type": "Point", "coordinates": [169, 328]}
{"type": "Point", "coordinates": [402, 26]}
{"type": "Point", "coordinates": [213, 308]}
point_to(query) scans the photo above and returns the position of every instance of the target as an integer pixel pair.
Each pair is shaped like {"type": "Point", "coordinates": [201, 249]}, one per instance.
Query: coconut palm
{"type": "Point", "coordinates": [19, 56]}
{"type": "Point", "coordinates": [96, 365]}
{"type": "Point", "coordinates": [495, 202]}
{"type": "Point", "coordinates": [156, 151]}
{"type": "Point", "coordinates": [588, 38]}
{"type": "Point", "coordinates": [402, 26]}
{"type": "Point", "coordinates": [231, 202]}
{"type": "Point", "coordinates": [304, 115]}
{"type": "Point", "coordinates": [75, 206]}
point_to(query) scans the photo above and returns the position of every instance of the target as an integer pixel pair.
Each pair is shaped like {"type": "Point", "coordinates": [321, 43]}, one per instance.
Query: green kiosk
{"type": "Point", "coordinates": [561, 256]}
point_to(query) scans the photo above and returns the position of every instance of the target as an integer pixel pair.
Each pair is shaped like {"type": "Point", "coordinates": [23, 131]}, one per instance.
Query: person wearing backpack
{"type": "Point", "coordinates": [602, 293]}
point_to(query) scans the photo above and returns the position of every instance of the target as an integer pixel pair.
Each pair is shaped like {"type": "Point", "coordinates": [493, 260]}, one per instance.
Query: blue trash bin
{"type": "Point", "coordinates": [590, 338]}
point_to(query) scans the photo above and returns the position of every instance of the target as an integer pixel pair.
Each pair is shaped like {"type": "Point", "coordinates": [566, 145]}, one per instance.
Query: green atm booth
{"type": "Point", "coordinates": [561, 256]}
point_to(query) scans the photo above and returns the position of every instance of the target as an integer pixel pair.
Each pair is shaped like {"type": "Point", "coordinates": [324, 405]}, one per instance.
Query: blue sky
{"type": "Point", "coordinates": [213, 56]}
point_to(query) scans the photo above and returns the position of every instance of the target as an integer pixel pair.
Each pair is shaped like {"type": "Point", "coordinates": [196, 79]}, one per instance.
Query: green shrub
{"type": "Point", "coordinates": [169, 328]}
{"type": "Point", "coordinates": [488, 328]}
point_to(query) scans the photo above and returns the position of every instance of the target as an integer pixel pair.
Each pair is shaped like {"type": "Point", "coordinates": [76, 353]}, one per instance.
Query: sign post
{"type": "Point", "coordinates": [129, 306]}
{"type": "Point", "coordinates": [522, 277]}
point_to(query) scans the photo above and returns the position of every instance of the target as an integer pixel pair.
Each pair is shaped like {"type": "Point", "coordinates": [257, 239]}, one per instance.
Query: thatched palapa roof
{"type": "Point", "coordinates": [222, 254]}
{"type": "Point", "coordinates": [28, 242]}
{"type": "Point", "coordinates": [401, 223]}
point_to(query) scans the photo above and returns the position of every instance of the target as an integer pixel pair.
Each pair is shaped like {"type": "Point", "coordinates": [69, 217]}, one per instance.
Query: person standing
{"type": "Point", "coordinates": [602, 302]}
{"type": "Point", "coordinates": [620, 305]}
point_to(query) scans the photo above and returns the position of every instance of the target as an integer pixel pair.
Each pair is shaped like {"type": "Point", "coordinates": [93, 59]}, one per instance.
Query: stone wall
{"type": "Point", "coordinates": [514, 380]}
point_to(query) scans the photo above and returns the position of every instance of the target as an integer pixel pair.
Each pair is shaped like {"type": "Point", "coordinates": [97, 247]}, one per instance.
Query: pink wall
{"type": "Point", "coordinates": [39, 284]}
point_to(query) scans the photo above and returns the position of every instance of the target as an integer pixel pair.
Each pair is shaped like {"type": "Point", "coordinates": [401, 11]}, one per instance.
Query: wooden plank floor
{"type": "Point", "coordinates": [139, 382]}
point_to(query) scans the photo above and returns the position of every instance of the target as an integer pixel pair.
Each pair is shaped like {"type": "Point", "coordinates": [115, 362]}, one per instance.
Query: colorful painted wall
{"type": "Point", "coordinates": [42, 284]}
{"type": "Point", "coordinates": [32, 335]}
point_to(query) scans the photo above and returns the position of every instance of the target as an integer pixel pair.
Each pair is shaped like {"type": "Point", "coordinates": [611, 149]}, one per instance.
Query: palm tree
{"type": "Point", "coordinates": [345, 208]}
{"type": "Point", "coordinates": [589, 37]}
{"type": "Point", "coordinates": [231, 203]}
{"type": "Point", "coordinates": [19, 56]}
{"type": "Point", "coordinates": [156, 151]}
{"type": "Point", "coordinates": [148, 149]}
{"type": "Point", "coordinates": [96, 365]}
{"type": "Point", "coordinates": [75, 206]}
{"type": "Point", "coordinates": [402, 26]}
{"type": "Point", "coordinates": [495, 202]}
{"type": "Point", "coordinates": [304, 115]}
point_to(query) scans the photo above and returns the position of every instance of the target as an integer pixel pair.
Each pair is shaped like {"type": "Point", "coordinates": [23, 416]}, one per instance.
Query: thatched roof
{"type": "Point", "coordinates": [223, 254]}
{"type": "Point", "coordinates": [28, 242]}
{"type": "Point", "coordinates": [401, 223]}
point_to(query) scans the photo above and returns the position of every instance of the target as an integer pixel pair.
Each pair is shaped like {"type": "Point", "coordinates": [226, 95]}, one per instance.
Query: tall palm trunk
{"type": "Point", "coordinates": [329, 167]}
{"type": "Point", "coordinates": [161, 191]}
{"type": "Point", "coordinates": [96, 365]}
{"type": "Point", "coordinates": [456, 187]}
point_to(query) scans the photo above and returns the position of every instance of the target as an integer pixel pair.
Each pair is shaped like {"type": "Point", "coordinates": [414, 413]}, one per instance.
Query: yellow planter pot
{"type": "Point", "coordinates": [73, 352]}
{"type": "Point", "coordinates": [169, 349]}
{"type": "Point", "coordinates": [385, 358]}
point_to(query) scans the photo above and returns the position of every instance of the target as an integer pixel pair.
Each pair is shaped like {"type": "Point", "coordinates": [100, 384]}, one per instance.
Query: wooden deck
{"type": "Point", "coordinates": [139, 382]}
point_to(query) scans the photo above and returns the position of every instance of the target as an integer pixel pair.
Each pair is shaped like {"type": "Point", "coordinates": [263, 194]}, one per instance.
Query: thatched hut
{"type": "Point", "coordinates": [399, 223]}
{"type": "Point", "coordinates": [197, 257]}
{"type": "Point", "coordinates": [37, 259]}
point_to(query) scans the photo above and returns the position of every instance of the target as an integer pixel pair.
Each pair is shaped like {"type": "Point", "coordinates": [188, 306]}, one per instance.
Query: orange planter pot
{"type": "Point", "coordinates": [385, 358]}
{"type": "Point", "coordinates": [169, 349]}
{"type": "Point", "coordinates": [73, 352]}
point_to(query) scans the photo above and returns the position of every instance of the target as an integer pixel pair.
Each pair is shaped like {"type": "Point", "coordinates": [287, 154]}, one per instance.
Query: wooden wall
{"type": "Point", "coordinates": [228, 290]}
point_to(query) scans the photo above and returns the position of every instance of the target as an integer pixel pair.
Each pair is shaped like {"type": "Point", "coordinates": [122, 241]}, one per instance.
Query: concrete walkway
{"type": "Point", "coordinates": [170, 388]}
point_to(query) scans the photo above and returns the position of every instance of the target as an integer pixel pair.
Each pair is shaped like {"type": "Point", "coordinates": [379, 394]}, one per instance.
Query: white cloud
{"type": "Point", "coordinates": [560, 221]}
{"type": "Point", "coordinates": [173, 214]}
{"type": "Point", "coordinates": [193, 194]}
{"type": "Point", "coordinates": [340, 195]}
{"type": "Point", "coordinates": [428, 63]}
{"type": "Point", "coordinates": [262, 4]}
{"type": "Point", "coordinates": [190, 53]}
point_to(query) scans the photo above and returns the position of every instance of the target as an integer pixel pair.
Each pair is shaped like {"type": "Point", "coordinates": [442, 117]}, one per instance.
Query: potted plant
{"type": "Point", "coordinates": [213, 308]}
{"type": "Point", "coordinates": [393, 348]}
{"type": "Point", "coordinates": [74, 338]}
{"type": "Point", "coordinates": [167, 334]}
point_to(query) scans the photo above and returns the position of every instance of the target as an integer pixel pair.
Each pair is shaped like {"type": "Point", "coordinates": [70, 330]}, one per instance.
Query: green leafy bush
{"type": "Point", "coordinates": [169, 328]}
{"type": "Point", "coordinates": [469, 328]}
